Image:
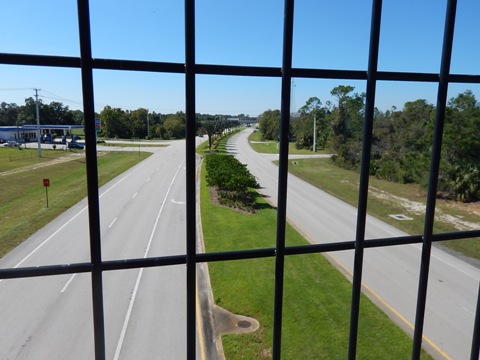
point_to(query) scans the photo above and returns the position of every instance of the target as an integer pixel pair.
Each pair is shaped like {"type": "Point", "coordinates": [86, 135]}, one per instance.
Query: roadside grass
{"type": "Point", "coordinates": [316, 298]}
{"type": "Point", "coordinates": [344, 184]}
{"type": "Point", "coordinates": [272, 147]}
{"type": "Point", "coordinates": [23, 208]}
{"type": "Point", "coordinates": [12, 158]}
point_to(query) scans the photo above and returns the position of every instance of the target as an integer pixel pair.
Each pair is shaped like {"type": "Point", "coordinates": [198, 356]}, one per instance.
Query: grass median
{"type": "Point", "coordinates": [316, 295]}
{"type": "Point", "coordinates": [23, 208]}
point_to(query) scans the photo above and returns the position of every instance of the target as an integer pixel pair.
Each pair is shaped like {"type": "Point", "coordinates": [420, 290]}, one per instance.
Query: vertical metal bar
{"type": "Point", "coordinates": [282, 177]}
{"type": "Point", "coordinates": [474, 355]}
{"type": "Point", "coordinates": [92, 177]}
{"type": "Point", "coordinates": [433, 177]}
{"type": "Point", "coordinates": [190, 172]}
{"type": "Point", "coordinates": [364, 175]}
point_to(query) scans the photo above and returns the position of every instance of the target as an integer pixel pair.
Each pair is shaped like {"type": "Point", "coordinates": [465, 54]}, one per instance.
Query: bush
{"type": "Point", "coordinates": [227, 173]}
{"type": "Point", "coordinates": [232, 181]}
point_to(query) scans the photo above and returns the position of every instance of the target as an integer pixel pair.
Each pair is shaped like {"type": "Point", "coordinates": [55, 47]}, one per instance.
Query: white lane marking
{"type": "Point", "coordinates": [49, 238]}
{"type": "Point", "coordinates": [134, 195]}
{"type": "Point", "coordinates": [468, 311]}
{"type": "Point", "coordinates": [68, 283]}
{"type": "Point", "coordinates": [178, 202]}
{"type": "Point", "coordinates": [64, 225]}
{"type": "Point", "coordinates": [140, 273]}
{"type": "Point", "coordinates": [440, 259]}
{"type": "Point", "coordinates": [113, 222]}
{"type": "Point", "coordinates": [148, 179]}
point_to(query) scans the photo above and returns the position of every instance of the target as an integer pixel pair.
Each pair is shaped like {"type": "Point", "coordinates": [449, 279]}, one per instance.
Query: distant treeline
{"type": "Point", "coordinates": [115, 122]}
{"type": "Point", "coordinates": [54, 113]}
{"type": "Point", "coordinates": [402, 139]}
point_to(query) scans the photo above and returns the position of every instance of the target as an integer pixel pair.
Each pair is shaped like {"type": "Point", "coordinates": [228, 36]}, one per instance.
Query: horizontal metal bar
{"type": "Point", "coordinates": [238, 70]}
{"type": "Point", "coordinates": [228, 70]}
{"type": "Point", "coordinates": [62, 269]}
{"type": "Point", "coordinates": [39, 60]}
{"type": "Point", "coordinates": [133, 65]}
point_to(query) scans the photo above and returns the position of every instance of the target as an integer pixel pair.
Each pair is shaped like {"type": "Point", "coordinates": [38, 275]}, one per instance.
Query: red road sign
{"type": "Point", "coordinates": [46, 182]}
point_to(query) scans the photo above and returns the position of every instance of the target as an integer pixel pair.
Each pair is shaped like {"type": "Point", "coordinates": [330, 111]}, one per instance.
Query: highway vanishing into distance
{"type": "Point", "coordinates": [143, 214]}
{"type": "Point", "coordinates": [390, 275]}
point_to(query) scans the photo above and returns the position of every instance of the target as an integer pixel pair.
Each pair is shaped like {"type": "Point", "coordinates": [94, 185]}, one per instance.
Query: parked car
{"type": "Point", "coordinates": [12, 144]}
{"type": "Point", "coordinates": [75, 145]}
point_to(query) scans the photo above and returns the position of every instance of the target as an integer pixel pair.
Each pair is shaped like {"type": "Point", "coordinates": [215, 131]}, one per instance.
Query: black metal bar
{"type": "Point", "coordinates": [92, 177]}
{"type": "Point", "coordinates": [190, 173]}
{"type": "Point", "coordinates": [433, 177]}
{"type": "Point", "coordinates": [233, 70]}
{"type": "Point", "coordinates": [475, 352]}
{"type": "Point", "coordinates": [39, 60]}
{"type": "Point", "coordinates": [282, 177]}
{"type": "Point", "coordinates": [206, 69]}
{"type": "Point", "coordinates": [126, 264]}
{"type": "Point", "coordinates": [364, 176]}
{"type": "Point", "coordinates": [48, 270]}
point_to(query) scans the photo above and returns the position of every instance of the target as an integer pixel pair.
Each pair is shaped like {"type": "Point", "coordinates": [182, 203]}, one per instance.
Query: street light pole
{"type": "Point", "coordinates": [38, 124]}
{"type": "Point", "coordinates": [148, 126]}
{"type": "Point", "coordinates": [314, 133]}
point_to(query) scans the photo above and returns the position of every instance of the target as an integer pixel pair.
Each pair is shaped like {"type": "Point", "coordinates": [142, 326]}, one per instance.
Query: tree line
{"type": "Point", "coordinates": [116, 122]}
{"type": "Point", "coordinates": [55, 113]}
{"type": "Point", "coordinates": [402, 139]}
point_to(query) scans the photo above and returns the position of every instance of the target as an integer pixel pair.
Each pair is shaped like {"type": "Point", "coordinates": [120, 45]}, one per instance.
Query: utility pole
{"type": "Point", "coordinates": [314, 133]}
{"type": "Point", "coordinates": [38, 123]}
{"type": "Point", "coordinates": [148, 126]}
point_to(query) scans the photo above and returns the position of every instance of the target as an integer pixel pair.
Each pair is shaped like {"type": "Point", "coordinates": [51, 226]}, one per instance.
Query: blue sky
{"type": "Point", "coordinates": [328, 34]}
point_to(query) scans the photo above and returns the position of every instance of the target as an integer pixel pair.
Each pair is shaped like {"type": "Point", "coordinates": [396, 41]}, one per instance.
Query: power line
{"type": "Point", "coordinates": [14, 89]}
{"type": "Point", "coordinates": [58, 97]}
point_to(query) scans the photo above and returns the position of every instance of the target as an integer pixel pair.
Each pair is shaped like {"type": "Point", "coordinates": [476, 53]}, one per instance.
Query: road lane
{"type": "Point", "coordinates": [390, 274]}
{"type": "Point", "coordinates": [142, 213]}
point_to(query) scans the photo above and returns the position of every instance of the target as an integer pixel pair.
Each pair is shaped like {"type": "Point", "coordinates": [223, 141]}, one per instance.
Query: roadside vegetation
{"type": "Point", "coordinates": [316, 300]}
{"type": "Point", "coordinates": [23, 208]}
{"type": "Point", "coordinates": [262, 145]}
{"type": "Point", "coordinates": [230, 182]}
{"type": "Point", "coordinates": [401, 142]}
{"type": "Point", "coordinates": [400, 160]}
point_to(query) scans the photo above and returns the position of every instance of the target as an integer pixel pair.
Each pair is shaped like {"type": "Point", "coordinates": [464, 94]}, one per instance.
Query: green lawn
{"type": "Point", "coordinates": [316, 295]}
{"type": "Point", "coordinates": [272, 147]}
{"type": "Point", "coordinates": [316, 299]}
{"type": "Point", "coordinates": [12, 158]}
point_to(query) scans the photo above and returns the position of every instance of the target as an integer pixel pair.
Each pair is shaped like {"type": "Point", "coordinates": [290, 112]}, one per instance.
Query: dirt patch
{"type": "Point", "coordinates": [471, 208]}
{"type": "Point", "coordinates": [216, 200]}
{"type": "Point", "coordinates": [417, 208]}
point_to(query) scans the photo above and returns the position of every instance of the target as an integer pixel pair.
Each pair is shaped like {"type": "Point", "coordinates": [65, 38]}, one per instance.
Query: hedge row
{"type": "Point", "coordinates": [227, 173]}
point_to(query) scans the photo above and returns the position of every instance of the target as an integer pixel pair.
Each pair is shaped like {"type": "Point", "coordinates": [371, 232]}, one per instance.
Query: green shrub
{"type": "Point", "coordinates": [227, 173]}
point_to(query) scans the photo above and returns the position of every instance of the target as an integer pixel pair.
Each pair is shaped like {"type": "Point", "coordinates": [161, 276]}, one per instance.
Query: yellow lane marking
{"type": "Point", "coordinates": [307, 236]}
{"type": "Point", "coordinates": [390, 308]}
{"type": "Point", "coordinates": [201, 340]}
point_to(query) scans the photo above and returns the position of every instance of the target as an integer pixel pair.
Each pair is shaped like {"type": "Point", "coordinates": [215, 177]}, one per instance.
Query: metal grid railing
{"type": "Point", "coordinates": [372, 76]}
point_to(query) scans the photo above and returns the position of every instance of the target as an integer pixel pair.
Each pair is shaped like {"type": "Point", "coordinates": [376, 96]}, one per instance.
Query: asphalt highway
{"type": "Point", "coordinates": [390, 276]}
{"type": "Point", "coordinates": [142, 214]}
